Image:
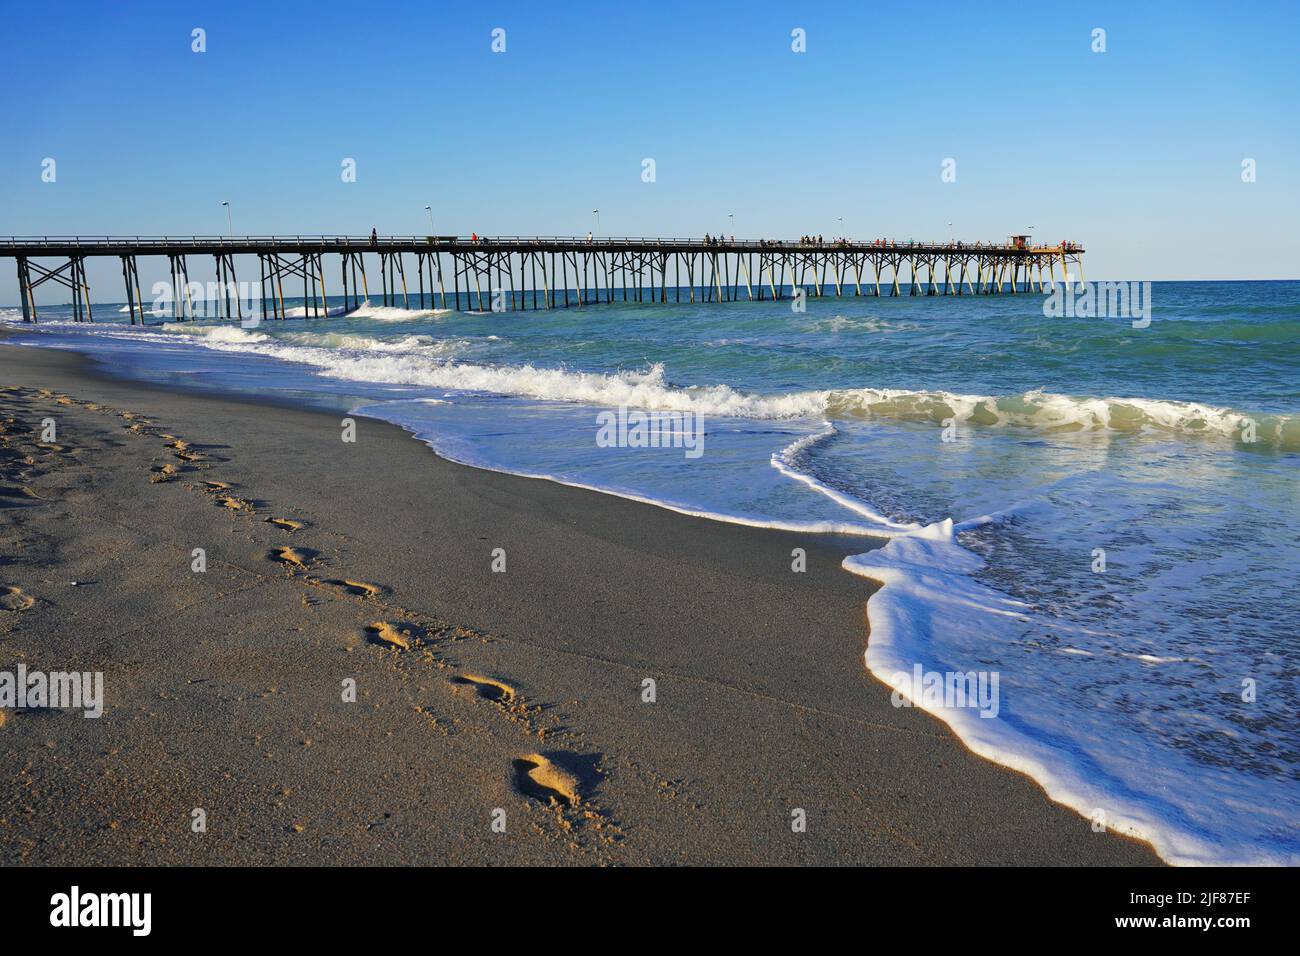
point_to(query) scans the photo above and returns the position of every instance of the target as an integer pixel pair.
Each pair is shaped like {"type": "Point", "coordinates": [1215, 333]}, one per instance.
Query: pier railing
{"type": "Point", "coordinates": [10, 245]}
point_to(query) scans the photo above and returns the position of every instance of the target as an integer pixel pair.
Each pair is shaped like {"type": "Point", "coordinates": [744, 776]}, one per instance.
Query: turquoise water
{"type": "Point", "coordinates": [1107, 517]}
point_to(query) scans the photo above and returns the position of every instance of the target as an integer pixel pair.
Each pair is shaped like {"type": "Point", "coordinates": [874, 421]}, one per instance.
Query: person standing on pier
{"type": "Point", "coordinates": [374, 237]}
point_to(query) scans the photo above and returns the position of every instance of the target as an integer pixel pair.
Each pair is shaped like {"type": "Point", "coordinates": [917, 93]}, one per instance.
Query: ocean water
{"type": "Point", "coordinates": [1106, 518]}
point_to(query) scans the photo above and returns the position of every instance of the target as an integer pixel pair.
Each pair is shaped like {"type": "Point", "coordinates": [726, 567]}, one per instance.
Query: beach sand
{"type": "Point", "coordinates": [481, 697]}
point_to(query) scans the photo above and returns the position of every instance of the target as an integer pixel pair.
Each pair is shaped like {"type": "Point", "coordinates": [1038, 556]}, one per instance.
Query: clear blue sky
{"type": "Point", "coordinates": [1136, 151]}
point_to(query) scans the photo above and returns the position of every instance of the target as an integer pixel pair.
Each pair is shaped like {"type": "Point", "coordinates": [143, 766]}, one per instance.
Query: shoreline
{"type": "Point", "coordinates": [763, 703]}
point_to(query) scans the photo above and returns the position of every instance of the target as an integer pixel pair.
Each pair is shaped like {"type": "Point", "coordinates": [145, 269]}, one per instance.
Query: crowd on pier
{"type": "Point", "coordinates": [819, 242]}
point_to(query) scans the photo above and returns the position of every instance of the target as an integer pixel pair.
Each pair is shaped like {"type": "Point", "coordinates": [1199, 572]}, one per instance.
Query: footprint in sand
{"type": "Point", "coordinates": [287, 524]}
{"type": "Point", "coordinates": [164, 473]}
{"type": "Point", "coordinates": [541, 778]}
{"type": "Point", "coordinates": [487, 688]}
{"type": "Point", "coordinates": [355, 588]}
{"type": "Point", "coordinates": [214, 486]}
{"type": "Point", "coordinates": [387, 634]}
{"type": "Point", "coordinates": [184, 451]}
{"type": "Point", "coordinates": [231, 503]}
{"type": "Point", "coordinates": [18, 496]}
{"type": "Point", "coordinates": [14, 598]}
{"type": "Point", "coordinates": [293, 557]}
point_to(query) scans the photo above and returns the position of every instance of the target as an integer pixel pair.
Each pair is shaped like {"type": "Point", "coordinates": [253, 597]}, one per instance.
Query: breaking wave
{"type": "Point", "coordinates": [426, 361]}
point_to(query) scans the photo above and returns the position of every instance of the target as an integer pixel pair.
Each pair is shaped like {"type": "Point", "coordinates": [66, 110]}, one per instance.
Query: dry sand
{"type": "Point", "coordinates": [481, 696]}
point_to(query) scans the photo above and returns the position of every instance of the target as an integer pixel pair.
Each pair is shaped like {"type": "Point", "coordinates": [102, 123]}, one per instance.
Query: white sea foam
{"type": "Point", "coordinates": [336, 354]}
{"type": "Point", "coordinates": [423, 361]}
{"type": "Point", "coordinates": [392, 313]}
{"type": "Point", "coordinates": [784, 461]}
{"type": "Point", "coordinates": [928, 590]}
{"type": "Point", "coordinates": [215, 334]}
{"type": "Point", "coordinates": [650, 388]}
{"type": "Point", "coordinates": [303, 312]}
{"type": "Point", "coordinates": [862, 323]}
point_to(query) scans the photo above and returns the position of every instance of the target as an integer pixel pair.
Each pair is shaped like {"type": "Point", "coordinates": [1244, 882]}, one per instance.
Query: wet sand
{"type": "Point", "coordinates": [481, 697]}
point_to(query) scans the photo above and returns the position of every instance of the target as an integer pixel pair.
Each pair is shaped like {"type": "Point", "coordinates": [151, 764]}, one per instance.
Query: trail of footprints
{"type": "Point", "coordinates": [541, 777]}
{"type": "Point", "coordinates": [24, 457]}
{"type": "Point", "coordinates": [548, 778]}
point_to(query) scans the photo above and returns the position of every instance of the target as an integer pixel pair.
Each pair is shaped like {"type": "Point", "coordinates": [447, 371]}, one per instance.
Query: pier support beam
{"type": "Point", "coordinates": [71, 275]}
{"type": "Point", "coordinates": [25, 290]}
{"type": "Point", "coordinates": [131, 278]}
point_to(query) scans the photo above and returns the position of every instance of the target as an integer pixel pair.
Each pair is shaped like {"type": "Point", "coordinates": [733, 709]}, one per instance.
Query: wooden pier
{"type": "Point", "coordinates": [510, 273]}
